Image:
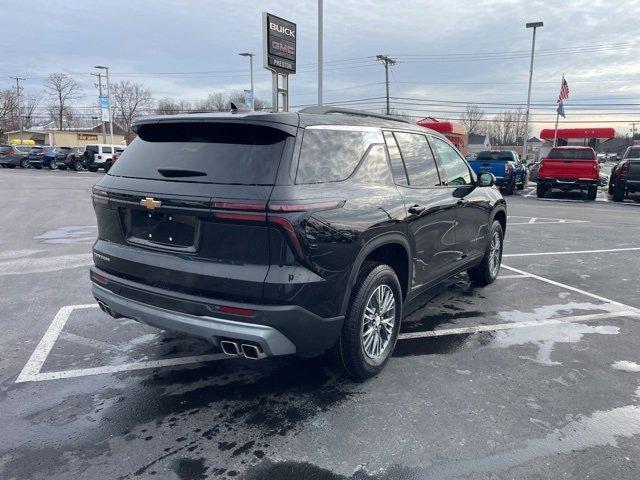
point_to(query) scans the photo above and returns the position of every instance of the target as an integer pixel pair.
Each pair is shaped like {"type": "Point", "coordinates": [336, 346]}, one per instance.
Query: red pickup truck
{"type": "Point", "coordinates": [569, 168]}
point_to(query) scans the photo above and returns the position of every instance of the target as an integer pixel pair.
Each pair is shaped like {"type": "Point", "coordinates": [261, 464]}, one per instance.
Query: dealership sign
{"type": "Point", "coordinates": [279, 43]}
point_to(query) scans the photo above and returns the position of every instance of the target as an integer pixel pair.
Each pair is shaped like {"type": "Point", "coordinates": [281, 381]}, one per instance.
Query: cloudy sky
{"type": "Point", "coordinates": [449, 53]}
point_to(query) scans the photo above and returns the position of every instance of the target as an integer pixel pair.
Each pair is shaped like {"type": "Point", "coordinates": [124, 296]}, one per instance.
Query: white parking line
{"type": "Point", "coordinates": [571, 252]}
{"type": "Point", "coordinates": [510, 326]}
{"type": "Point", "coordinates": [573, 289]}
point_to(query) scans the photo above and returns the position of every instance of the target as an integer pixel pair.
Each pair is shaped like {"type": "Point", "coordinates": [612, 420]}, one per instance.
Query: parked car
{"type": "Point", "coordinates": [569, 168]}
{"type": "Point", "coordinates": [505, 165]}
{"type": "Point", "coordinates": [73, 160]}
{"type": "Point", "coordinates": [602, 157]}
{"type": "Point", "coordinates": [625, 176]}
{"type": "Point", "coordinates": [289, 233]}
{"type": "Point", "coordinates": [533, 171]}
{"type": "Point", "coordinates": [99, 156]}
{"type": "Point", "coordinates": [36, 156]}
{"type": "Point", "coordinates": [11, 157]}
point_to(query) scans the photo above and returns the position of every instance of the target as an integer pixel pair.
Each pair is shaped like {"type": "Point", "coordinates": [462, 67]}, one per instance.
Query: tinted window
{"type": "Point", "coordinates": [418, 159]}
{"type": "Point", "coordinates": [374, 168]}
{"type": "Point", "coordinates": [92, 148]}
{"type": "Point", "coordinates": [571, 153]}
{"type": "Point", "coordinates": [455, 168]}
{"type": "Point", "coordinates": [397, 167]}
{"type": "Point", "coordinates": [329, 155]}
{"type": "Point", "coordinates": [496, 156]}
{"type": "Point", "coordinates": [633, 153]}
{"type": "Point", "coordinates": [36, 150]}
{"type": "Point", "coordinates": [225, 153]}
{"type": "Point", "coordinates": [106, 149]}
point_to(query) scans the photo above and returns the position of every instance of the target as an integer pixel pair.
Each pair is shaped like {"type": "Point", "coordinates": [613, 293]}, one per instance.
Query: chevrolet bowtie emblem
{"type": "Point", "coordinates": [150, 203]}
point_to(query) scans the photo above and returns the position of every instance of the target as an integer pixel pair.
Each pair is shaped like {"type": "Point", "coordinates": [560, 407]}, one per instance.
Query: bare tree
{"type": "Point", "coordinates": [508, 128]}
{"type": "Point", "coordinates": [473, 119]}
{"type": "Point", "coordinates": [30, 104]}
{"type": "Point", "coordinates": [168, 106]}
{"type": "Point", "coordinates": [8, 110]}
{"type": "Point", "coordinates": [215, 102]}
{"type": "Point", "coordinates": [62, 90]}
{"type": "Point", "coordinates": [130, 100]}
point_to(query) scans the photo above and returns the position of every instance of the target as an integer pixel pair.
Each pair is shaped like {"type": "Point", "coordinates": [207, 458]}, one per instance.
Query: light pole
{"type": "Point", "coordinates": [320, 53]}
{"type": "Point", "coordinates": [533, 25]}
{"type": "Point", "coordinates": [100, 67]}
{"type": "Point", "coordinates": [250, 55]}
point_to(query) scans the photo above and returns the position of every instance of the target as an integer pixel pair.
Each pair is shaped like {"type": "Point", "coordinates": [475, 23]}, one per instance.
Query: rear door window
{"type": "Point", "coordinates": [106, 149]}
{"type": "Point", "coordinates": [331, 154]}
{"type": "Point", "coordinates": [455, 168]}
{"type": "Point", "coordinates": [374, 169]}
{"type": "Point", "coordinates": [224, 153]}
{"type": "Point", "coordinates": [418, 159]}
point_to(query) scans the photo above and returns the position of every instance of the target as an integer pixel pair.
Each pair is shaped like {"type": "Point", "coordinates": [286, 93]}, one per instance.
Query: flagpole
{"type": "Point", "coordinates": [555, 133]}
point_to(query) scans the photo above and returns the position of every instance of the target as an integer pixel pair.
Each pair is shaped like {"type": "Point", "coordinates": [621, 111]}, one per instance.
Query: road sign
{"type": "Point", "coordinates": [279, 44]}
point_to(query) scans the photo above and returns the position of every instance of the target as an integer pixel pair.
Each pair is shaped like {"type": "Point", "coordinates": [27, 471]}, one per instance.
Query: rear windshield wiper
{"type": "Point", "coordinates": [180, 172]}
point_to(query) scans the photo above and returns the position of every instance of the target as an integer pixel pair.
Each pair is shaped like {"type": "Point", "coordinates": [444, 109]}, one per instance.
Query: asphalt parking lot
{"type": "Point", "coordinates": [535, 376]}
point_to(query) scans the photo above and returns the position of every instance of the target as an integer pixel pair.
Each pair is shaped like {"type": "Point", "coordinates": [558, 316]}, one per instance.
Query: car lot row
{"type": "Point", "coordinates": [91, 157]}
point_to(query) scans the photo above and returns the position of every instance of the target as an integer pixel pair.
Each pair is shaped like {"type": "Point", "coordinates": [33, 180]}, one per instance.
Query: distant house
{"type": "Point", "coordinates": [534, 144]}
{"type": "Point", "coordinates": [477, 143]}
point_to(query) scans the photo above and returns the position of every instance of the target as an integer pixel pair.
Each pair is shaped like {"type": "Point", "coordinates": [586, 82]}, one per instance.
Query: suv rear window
{"type": "Point", "coordinates": [332, 154]}
{"type": "Point", "coordinates": [227, 153]}
{"type": "Point", "coordinates": [35, 150]}
{"type": "Point", "coordinates": [571, 153]}
{"type": "Point", "coordinates": [496, 156]}
{"type": "Point", "coordinates": [4, 149]}
{"type": "Point", "coordinates": [92, 148]}
{"type": "Point", "coordinates": [633, 153]}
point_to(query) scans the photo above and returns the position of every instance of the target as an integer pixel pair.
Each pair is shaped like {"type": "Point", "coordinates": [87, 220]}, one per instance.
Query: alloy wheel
{"type": "Point", "coordinates": [378, 321]}
{"type": "Point", "coordinates": [495, 254]}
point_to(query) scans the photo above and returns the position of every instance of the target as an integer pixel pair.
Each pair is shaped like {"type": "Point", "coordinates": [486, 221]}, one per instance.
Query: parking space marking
{"type": "Point", "coordinates": [523, 220]}
{"type": "Point", "coordinates": [510, 326]}
{"type": "Point", "coordinates": [573, 289]}
{"type": "Point", "coordinates": [31, 372]}
{"type": "Point", "coordinates": [571, 252]}
{"type": "Point", "coordinates": [510, 277]}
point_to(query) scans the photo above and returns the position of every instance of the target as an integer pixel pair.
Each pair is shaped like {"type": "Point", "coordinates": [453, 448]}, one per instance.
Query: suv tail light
{"type": "Point", "coordinates": [624, 168]}
{"type": "Point", "coordinates": [274, 213]}
{"type": "Point", "coordinates": [508, 168]}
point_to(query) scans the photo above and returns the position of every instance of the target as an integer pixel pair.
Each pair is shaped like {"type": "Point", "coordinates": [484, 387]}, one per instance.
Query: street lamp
{"type": "Point", "coordinates": [533, 25]}
{"type": "Point", "coordinates": [100, 67]}
{"type": "Point", "coordinates": [250, 55]}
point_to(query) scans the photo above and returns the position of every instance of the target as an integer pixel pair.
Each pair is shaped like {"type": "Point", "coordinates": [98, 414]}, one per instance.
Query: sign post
{"type": "Point", "coordinates": [279, 56]}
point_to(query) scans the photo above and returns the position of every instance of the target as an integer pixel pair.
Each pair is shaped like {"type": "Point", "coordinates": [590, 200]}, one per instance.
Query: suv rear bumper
{"type": "Point", "coordinates": [567, 183]}
{"type": "Point", "coordinates": [279, 330]}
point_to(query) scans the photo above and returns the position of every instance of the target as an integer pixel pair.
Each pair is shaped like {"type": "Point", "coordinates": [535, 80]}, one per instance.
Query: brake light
{"type": "Point", "coordinates": [508, 168]}
{"type": "Point", "coordinates": [96, 277]}
{"type": "Point", "coordinates": [624, 168]}
{"type": "Point", "coordinates": [40, 154]}
{"type": "Point", "coordinates": [99, 196]}
{"type": "Point", "coordinates": [9, 152]}
{"type": "Point", "coordinates": [245, 312]}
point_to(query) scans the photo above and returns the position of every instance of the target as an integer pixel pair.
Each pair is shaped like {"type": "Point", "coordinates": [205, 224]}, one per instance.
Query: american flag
{"type": "Point", "coordinates": [564, 91]}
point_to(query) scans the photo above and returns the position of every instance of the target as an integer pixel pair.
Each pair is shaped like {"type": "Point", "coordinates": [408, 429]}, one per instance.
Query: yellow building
{"type": "Point", "coordinates": [66, 138]}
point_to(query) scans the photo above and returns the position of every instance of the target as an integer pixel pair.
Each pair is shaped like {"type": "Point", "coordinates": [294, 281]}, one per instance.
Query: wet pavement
{"type": "Point", "coordinates": [535, 376]}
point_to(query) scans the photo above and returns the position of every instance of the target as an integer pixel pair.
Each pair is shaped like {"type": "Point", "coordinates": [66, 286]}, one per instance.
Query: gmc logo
{"type": "Point", "coordinates": [282, 29]}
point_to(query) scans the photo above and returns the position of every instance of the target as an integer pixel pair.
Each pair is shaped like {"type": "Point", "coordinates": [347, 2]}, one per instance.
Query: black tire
{"type": "Point", "coordinates": [618, 193]}
{"type": "Point", "coordinates": [92, 169]}
{"type": "Point", "coordinates": [24, 163]}
{"type": "Point", "coordinates": [592, 193]}
{"type": "Point", "coordinates": [510, 188]}
{"type": "Point", "coordinates": [483, 273]}
{"type": "Point", "coordinates": [11, 166]}
{"type": "Point", "coordinates": [611, 186]}
{"type": "Point", "coordinates": [53, 165]}
{"type": "Point", "coordinates": [541, 192]}
{"type": "Point", "coordinates": [77, 166]}
{"type": "Point", "coordinates": [62, 167]}
{"type": "Point", "coordinates": [349, 350]}
{"type": "Point", "coordinates": [38, 167]}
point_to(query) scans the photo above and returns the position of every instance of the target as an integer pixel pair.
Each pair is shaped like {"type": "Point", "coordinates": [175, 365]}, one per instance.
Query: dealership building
{"type": "Point", "coordinates": [66, 138]}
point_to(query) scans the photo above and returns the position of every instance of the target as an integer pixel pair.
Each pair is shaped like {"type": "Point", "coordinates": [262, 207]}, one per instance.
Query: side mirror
{"type": "Point", "coordinates": [486, 180]}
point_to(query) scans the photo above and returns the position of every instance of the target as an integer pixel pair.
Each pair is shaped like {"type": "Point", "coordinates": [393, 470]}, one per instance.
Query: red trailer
{"type": "Point", "coordinates": [455, 133]}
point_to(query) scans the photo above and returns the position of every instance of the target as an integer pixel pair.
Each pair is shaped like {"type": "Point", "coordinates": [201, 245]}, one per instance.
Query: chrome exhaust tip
{"type": "Point", "coordinates": [253, 352]}
{"type": "Point", "coordinates": [230, 348]}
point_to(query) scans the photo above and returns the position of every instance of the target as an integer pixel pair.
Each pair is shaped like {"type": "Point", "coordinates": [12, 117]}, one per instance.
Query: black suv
{"type": "Point", "coordinates": [281, 233]}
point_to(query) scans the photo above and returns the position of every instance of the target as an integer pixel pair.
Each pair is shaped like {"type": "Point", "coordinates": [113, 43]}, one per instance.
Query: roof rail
{"type": "Point", "coordinates": [321, 110]}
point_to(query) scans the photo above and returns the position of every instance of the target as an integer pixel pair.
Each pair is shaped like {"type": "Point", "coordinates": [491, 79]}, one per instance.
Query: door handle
{"type": "Point", "coordinates": [416, 209]}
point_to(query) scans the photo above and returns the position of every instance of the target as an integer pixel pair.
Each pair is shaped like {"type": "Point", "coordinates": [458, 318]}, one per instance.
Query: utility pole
{"type": "Point", "coordinates": [106, 69]}
{"type": "Point", "coordinates": [535, 26]}
{"type": "Point", "coordinates": [17, 79]}
{"type": "Point", "coordinates": [386, 61]}
{"type": "Point", "coordinates": [320, 53]}
{"type": "Point", "coordinates": [633, 129]}
{"type": "Point", "coordinates": [99, 85]}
